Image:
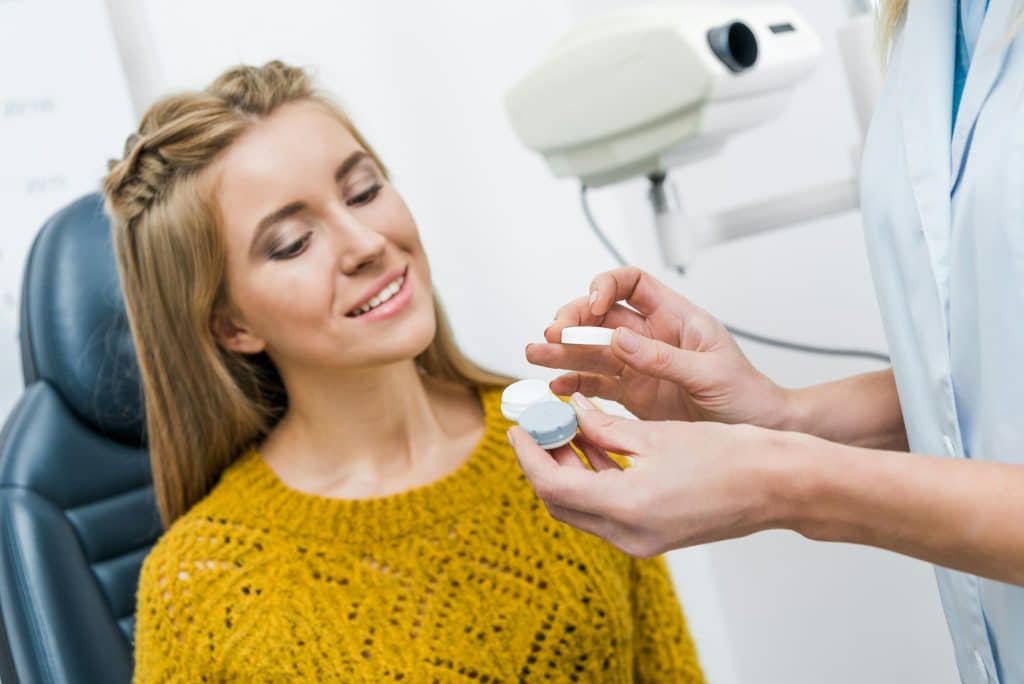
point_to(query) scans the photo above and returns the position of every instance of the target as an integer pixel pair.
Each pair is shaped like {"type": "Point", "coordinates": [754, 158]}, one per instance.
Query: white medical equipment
{"type": "Point", "coordinates": [638, 91]}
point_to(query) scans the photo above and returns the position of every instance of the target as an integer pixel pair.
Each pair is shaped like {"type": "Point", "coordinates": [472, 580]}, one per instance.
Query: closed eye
{"type": "Point", "coordinates": [365, 197]}
{"type": "Point", "coordinates": [292, 250]}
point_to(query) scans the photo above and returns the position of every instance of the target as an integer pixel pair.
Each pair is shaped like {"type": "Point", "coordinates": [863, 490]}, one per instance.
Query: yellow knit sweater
{"type": "Point", "coordinates": [466, 579]}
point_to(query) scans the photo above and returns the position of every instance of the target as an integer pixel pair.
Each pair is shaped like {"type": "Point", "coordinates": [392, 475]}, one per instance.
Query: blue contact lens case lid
{"type": "Point", "coordinates": [550, 423]}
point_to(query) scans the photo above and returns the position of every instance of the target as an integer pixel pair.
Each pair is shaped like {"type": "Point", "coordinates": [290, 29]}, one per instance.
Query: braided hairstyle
{"type": "Point", "coordinates": [204, 404]}
{"type": "Point", "coordinates": [181, 134]}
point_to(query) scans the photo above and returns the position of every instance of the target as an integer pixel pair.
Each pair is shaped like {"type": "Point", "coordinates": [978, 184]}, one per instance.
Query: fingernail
{"type": "Point", "coordinates": [511, 439]}
{"type": "Point", "coordinates": [593, 297]}
{"type": "Point", "coordinates": [629, 341]}
{"type": "Point", "coordinates": [581, 402]}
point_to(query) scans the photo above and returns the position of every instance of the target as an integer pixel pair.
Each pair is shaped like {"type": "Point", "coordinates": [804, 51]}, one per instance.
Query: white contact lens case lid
{"type": "Point", "coordinates": [519, 396]}
{"type": "Point", "coordinates": [587, 334]}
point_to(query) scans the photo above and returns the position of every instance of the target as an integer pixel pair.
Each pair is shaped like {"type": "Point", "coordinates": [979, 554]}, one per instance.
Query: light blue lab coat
{"type": "Point", "coordinates": [944, 222]}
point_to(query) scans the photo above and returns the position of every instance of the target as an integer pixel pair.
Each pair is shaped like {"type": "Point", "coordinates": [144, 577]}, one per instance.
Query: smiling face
{"type": "Point", "coordinates": [325, 269]}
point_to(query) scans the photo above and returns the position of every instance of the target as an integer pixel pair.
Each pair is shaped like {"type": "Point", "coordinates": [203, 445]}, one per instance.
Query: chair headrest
{"type": "Point", "coordinates": [74, 329]}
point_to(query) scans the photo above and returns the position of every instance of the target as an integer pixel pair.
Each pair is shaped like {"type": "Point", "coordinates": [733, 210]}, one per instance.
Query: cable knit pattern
{"type": "Point", "coordinates": [467, 579]}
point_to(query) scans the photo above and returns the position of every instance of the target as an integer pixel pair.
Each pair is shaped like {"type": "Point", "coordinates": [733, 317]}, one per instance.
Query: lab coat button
{"type": "Point", "coordinates": [950, 449]}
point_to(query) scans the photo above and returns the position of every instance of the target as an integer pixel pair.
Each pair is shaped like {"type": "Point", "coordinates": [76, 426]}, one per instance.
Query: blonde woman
{"type": "Point", "coordinates": [943, 209]}
{"type": "Point", "coordinates": [341, 501]}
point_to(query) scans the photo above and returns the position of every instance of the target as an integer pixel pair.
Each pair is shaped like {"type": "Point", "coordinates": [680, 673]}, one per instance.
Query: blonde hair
{"type": "Point", "coordinates": [891, 14]}
{"type": "Point", "coordinates": [205, 405]}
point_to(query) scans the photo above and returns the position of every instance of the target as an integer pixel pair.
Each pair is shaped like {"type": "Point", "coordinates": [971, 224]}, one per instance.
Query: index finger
{"type": "Point", "coordinates": [577, 312]}
{"type": "Point", "coordinates": [568, 486]}
{"type": "Point", "coordinates": [640, 289]}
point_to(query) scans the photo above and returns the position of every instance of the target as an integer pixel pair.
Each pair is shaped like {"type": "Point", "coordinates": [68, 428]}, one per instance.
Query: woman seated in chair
{"type": "Point", "coordinates": [340, 498]}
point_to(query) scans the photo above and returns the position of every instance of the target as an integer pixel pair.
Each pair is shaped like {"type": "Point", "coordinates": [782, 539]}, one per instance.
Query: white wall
{"type": "Point", "coordinates": [60, 121]}
{"type": "Point", "coordinates": [509, 245]}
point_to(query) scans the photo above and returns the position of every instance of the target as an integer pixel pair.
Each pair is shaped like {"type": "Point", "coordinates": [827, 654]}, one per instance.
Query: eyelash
{"type": "Point", "coordinates": [366, 196]}
{"type": "Point", "coordinates": [292, 250]}
{"type": "Point", "coordinates": [296, 248]}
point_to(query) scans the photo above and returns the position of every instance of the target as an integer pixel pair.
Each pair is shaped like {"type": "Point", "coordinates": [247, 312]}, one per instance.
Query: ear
{"type": "Point", "coordinates": [232, 334]}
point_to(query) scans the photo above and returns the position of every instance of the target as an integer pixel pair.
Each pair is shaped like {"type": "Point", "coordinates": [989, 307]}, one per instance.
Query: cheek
{"type": "Point", "coordinates": [278, 299]}
{"type": "Point", "coordinates": [397, 223]}
{"type": "Point", "coordinates": [405, 234]}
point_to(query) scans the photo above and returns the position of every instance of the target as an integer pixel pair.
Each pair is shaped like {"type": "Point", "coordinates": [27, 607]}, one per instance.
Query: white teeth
{"type": "Point", "coordinates": [383, 296]}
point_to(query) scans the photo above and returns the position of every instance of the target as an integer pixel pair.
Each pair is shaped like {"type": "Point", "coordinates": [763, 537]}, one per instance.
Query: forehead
{"type": "Point", "coordinates": [275, 160]}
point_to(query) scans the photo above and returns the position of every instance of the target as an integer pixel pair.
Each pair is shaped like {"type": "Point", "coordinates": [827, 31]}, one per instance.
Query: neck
{"type": "Point", "coordinates": [364, 429]}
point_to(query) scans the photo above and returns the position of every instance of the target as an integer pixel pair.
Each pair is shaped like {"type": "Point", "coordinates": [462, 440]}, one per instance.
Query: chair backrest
{"type": "Point", "coordinates": [77, 513]}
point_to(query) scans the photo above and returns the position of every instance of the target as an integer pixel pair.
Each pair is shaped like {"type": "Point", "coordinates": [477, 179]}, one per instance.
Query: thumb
{"type": "Point", "coordinates": [611, 433]}
{"type": "Point", "coordinates": [656, 358]}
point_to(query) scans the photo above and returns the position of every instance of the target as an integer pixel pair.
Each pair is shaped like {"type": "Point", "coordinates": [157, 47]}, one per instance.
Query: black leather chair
{"type": "Point", "coordinates": [77, 514]}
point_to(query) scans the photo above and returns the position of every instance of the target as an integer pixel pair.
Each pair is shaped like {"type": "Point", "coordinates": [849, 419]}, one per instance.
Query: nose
{"type": "Point", "coordinates": [359, 245]}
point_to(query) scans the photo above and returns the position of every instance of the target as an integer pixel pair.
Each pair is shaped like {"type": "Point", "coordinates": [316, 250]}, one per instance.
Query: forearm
{"type": "Point", "coordinates": [957, 513]}
{"type": "Point", "coordinates": [862, 410]}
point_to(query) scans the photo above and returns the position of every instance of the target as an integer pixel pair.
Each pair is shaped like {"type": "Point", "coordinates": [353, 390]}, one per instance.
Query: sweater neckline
{"type": "Point", "coordinates": [279, 506]}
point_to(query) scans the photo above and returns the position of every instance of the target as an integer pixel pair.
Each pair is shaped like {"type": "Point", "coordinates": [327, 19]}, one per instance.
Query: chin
{"type": "Point", "coordinates": [420, 336]}
{"type": "Point", "coordinates": [404, 343]}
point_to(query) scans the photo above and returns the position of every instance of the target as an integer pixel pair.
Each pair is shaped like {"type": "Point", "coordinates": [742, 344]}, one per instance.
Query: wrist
{"type": "Point", "coordinates": [792, 412]}
{"type": "Point", "coordinates": [797, 477]}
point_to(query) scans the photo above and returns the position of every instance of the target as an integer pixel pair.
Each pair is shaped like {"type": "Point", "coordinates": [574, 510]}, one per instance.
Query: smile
{"type": "Point", "coordinates": [391, 292]}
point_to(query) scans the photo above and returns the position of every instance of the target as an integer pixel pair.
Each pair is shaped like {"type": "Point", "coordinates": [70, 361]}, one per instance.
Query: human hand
{"type": "Point", "coordinates": [669, 359]}
{"type": "Point", "coordinates": [690, 483]}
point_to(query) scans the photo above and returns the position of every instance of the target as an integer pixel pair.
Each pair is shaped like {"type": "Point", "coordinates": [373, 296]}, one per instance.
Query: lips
{"type": "Point", "coordinates": [382, 291]}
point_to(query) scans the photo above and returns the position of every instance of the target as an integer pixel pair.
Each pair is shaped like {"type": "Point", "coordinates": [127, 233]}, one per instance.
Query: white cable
{"type": "Point", "coordinates": [739, 332]}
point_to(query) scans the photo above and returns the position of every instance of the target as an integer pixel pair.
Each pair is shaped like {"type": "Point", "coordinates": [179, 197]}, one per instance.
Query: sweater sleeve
{"type": "Point", "coordinates": [664, 649]}
{"type": "Point", "coordinates": [164, 623]}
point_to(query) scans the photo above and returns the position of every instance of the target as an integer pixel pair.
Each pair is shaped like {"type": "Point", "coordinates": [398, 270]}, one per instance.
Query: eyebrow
{"type": "Point", "coordinates": [295, 207]}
